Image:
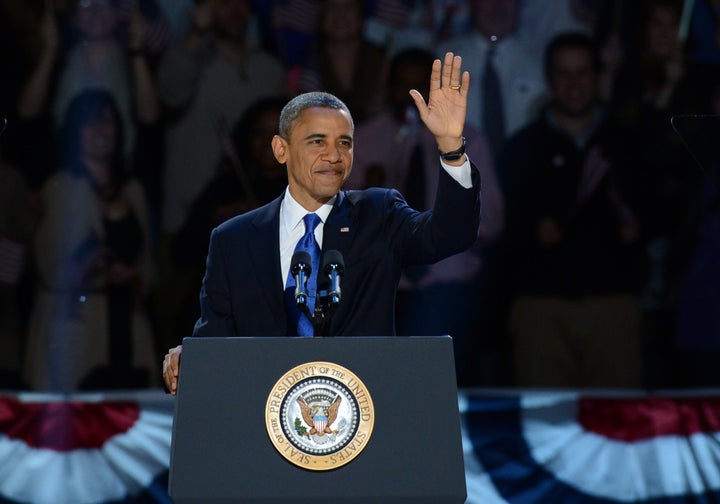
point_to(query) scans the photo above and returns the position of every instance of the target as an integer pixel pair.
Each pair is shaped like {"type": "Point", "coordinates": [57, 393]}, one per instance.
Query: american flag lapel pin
{"type": "Point", "coordinates": [344, 229]}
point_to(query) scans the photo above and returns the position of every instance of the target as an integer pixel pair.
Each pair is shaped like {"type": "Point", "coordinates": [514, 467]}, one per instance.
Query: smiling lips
{"type": "Point", "coordinates": [331, 172]}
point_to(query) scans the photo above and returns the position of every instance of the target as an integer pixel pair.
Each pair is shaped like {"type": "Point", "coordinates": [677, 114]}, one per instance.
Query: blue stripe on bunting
{"type": "Point", "coordinates": [494, 426]}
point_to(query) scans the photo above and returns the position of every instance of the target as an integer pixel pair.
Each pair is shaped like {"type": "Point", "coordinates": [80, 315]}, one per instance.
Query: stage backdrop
{"type": "Point", "coordinates": [520, 447]}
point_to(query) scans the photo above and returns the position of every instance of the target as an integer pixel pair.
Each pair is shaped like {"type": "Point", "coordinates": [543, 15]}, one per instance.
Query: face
{"type": "Point", "coordinates": [573, 81]}
{"type": "Point", "coordinates": [261, 153]}
{"type": "Point", "coordinates": [662, 32]}
{"type": "Point", "coordinates": [98, 137]}
{"type": "Point", "coordinates": [408, 76]}
{"type": "Point", "coordinates": [230, 17]}
{"type": "Point", "coordinates": [318, 155]}
{"type": "Point", "coordinates": [342, 19]}
{"type": "Point", "coordinates": [95, 19]}
{"type": "Point", "coordinates": [495, 17]}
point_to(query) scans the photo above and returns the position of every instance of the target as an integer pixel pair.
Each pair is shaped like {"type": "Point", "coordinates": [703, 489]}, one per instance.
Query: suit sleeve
{"type": "Point", "coordinates": [450, 227]}
{"type": "Point", "coordinates": [216, 317]}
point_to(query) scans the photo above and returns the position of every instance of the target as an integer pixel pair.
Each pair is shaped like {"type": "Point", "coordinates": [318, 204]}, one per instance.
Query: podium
{"type": "Point", "coordinates": [237, 436]}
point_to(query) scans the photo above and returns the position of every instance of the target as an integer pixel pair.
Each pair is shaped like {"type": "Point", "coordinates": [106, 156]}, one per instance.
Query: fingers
{"type": "Point", "coordinates": [465, 82]}
{"type": "Point", "coordinates": [419, 101]}
{"type": "Point", "coordinates": [171, 369]}
{"type": "Point", "coordinates": [451, 71]}
{"type": "Point", "coordinates": [435, 75]}
{"type": "Point", "coordinates": [447, 77]}
{"type": "Point", "coordinates": [448, 74]}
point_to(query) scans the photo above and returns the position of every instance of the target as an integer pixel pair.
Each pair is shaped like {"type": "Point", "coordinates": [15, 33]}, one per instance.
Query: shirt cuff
{"type": "Point", "coordinates": [461, 173]}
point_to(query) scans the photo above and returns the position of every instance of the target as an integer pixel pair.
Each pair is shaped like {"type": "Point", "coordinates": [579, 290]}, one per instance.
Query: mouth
{"type": "Point", "coordinates": [330, 172]}
{"type": "Point", "coordinates": [98, 143]}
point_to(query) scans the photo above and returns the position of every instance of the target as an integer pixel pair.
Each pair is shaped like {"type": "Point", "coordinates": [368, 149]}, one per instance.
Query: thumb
{"type": "Point", "coordinates": [419, 102]}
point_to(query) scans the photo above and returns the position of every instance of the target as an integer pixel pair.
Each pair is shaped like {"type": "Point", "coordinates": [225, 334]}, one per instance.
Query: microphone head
{"type": "Point", "coordinates": [333, 260]}
{"type": "Point", "coordinates": [300, 260]}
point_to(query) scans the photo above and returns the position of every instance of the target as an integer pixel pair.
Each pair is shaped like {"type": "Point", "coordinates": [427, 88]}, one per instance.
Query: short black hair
{"type": "Point", "coordinates": [243, 128]}
{"type": "Point", "coordinates": [572, 40]}
{"type": "Point", "coordinates": [412, 55]}
{"type": "Point", "coordinates": [88, 106]}
{"type": "Point", "coordinates": [292, 110]}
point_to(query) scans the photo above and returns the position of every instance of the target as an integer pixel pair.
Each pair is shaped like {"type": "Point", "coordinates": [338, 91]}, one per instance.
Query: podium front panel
{"type": "Point", "coordinates": [221, 450]}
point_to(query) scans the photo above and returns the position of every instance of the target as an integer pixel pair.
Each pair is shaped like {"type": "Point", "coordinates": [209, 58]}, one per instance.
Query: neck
{"type": "Point", "coordinates": [574, 124]}
{"type": "Point", "coordinates": [98, 45]}
{"type": "Point", "coordinates": [308, 203]}
{"type": "Point", "coordinates": [98, 170]}
{"type": "Point", "coordinates": [233, 49]}
{"type": "Point", "coordinates": [343, 48]}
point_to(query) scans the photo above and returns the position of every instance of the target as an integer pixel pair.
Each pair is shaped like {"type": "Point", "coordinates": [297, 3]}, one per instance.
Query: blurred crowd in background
{"type": "Point", "coordinates": [136, 126]}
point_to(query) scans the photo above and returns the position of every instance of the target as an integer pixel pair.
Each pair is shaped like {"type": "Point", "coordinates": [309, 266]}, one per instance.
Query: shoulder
{"type": "Point", "coordinates": [467, 42]}
{"type": "Point", "coordinates": [539, 128]}
{"type": "Point", "coordinates": [258, 217]}
{"type": "Point", "coordinates": [64, 181]}
{"type": "Point", "coordinates": [263, 59]}
{"type": "Point", "coordinates": [373, 200]}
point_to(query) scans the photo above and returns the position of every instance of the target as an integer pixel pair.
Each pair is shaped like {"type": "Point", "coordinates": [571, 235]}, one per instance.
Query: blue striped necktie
{"type": "Point", "coordinates": [299, 323]}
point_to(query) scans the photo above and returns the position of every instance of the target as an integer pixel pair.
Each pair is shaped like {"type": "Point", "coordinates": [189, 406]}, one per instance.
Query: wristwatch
{"type": "Point", "coordinates": [454, 155]}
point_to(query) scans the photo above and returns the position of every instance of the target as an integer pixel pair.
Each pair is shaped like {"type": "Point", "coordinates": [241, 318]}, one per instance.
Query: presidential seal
{"type": "Point", "coordinates": [319, 416]}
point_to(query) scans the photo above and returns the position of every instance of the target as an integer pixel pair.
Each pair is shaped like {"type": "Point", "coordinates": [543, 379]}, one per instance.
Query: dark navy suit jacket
{"type": "Point", "coordinates": [376, 232]}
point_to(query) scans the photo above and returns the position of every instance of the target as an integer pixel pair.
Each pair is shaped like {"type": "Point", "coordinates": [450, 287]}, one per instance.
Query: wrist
{"type": "Point", "coordinates": [452, 150]}
{"type": "Point", "coordinates": [448, 144]}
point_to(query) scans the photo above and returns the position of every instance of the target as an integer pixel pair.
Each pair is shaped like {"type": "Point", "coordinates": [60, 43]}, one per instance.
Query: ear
{"type": "Point", "coordinates": [280, 148]}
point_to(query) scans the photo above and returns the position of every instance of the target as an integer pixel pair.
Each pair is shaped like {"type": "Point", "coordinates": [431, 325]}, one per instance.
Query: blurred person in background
{"type": "Point", "coordinates": [650, 86]}
{"type": "Point", "coordinates": [89, 328]}
{"type": "Point", "coordinates": [342, 61]}
{"type": "Point", "coordinates": [575, 261]}
{"type": "Point", "coordinates": [91, 47]}
{"type": "Point", "coordinates": [507, 87]}
{"type": "Point", "coordinates": [402, 24]}
{"type": "Point", "coordinates": [206, 83]}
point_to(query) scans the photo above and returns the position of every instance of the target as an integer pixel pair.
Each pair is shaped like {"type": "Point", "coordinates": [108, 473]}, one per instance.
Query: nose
{"type": "Point", "coordinates": [332, 154]}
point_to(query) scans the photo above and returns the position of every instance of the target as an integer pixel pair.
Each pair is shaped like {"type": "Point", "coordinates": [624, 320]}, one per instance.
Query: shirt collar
{"type": "Point", "coordinates": [292, 212]}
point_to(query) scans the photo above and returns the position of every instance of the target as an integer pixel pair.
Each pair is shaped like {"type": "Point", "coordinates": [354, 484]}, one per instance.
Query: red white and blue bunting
{"type": "Point", "coordinates": [86, 449]}
{"type": "Point", "coordinates": [568, 448]}
{"type": "Point", "coordinates": [520, 448]}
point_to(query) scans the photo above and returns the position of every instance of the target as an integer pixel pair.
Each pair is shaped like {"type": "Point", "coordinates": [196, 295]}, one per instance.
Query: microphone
{"type": "Point", "coordinates": [300, 269]}
{"type": "Point", "coordinates": [333, 266]}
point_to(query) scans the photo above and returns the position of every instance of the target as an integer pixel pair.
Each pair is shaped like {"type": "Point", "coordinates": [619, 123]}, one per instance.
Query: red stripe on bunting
{"type": "Point", "coordinates": [643, 418]}
{"type": "Point", "coordinates": [65, 426]}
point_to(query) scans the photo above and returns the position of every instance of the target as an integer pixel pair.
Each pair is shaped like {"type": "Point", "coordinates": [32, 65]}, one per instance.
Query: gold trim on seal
{"type": "Point", "coordinates": [319, 416]}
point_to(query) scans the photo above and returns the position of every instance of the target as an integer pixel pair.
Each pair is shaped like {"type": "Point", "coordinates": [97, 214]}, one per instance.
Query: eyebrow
{"type": "Point", "coordinates": [323, 135]}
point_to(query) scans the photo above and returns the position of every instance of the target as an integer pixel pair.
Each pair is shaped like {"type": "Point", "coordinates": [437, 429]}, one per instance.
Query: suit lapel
{"type": "Point", "coordinates": [340, 228]}
{"type": "Point", "coordinates": [265, 253]}
{"type": "Point", "coordinates": [264, 247]}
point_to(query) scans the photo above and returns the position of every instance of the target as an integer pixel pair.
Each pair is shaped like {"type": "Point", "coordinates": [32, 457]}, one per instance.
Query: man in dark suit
{"type": "Point", "coordinates": [375, 230]}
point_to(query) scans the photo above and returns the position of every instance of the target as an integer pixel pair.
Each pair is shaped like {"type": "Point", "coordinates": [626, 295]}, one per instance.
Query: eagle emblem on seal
{"type": "Point", "coordinates": [319, 417]}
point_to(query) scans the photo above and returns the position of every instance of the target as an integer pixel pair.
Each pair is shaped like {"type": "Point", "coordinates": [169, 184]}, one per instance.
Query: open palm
{"type": "Point", "coordinates": [444, 112]}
